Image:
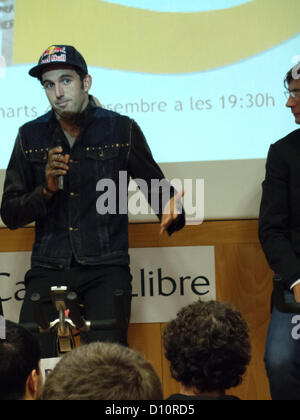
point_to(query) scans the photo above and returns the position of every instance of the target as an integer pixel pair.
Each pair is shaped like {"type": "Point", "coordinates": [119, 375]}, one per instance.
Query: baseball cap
{"type": "Point", "coordinates": [59, 54]}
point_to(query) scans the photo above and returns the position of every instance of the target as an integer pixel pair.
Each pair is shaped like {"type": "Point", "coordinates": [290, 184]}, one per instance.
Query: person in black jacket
{"type": "Point", "coordinates": [69, 173]}
{"type": "Point", "coordinates": [279, 233]}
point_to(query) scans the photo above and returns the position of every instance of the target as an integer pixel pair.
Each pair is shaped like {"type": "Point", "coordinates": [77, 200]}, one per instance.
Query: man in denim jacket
{"type": "Point", "coordinates": [53, 180]}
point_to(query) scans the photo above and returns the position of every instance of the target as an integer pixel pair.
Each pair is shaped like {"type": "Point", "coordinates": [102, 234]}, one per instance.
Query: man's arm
{"type": "Point", "coordinates": [274, 223]}
{"type": "Point", "coordinates": [22, 203]}
{"type": "Point", "coordinates": [142, 166]}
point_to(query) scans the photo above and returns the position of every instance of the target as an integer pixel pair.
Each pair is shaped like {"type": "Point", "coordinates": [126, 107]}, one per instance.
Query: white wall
{"type": "Point", "coordinates": [232, 188]}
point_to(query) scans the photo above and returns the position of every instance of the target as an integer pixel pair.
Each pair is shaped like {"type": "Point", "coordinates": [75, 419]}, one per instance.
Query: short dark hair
{"type": "Point", "coordinates": [80, 73]}
{"type": "Point", "coordinates": [20, 354]}
{"type": "Point", "coordinates": [291, 75]}
{"type": "Point", "coordinates": [208, 346]}
{"type": "Point", "coordinates": [103, 371]}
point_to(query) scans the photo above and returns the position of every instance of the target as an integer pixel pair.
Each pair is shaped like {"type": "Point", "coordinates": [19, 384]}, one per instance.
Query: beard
{"type": "Point", "coordinates": [71, 117]}
{"type": "Point", "coordinates": [75, 117]}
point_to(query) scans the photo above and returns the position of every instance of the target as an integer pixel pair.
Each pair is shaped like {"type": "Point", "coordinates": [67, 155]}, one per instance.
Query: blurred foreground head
{"type": "Point", "coordinates": [103, 371]}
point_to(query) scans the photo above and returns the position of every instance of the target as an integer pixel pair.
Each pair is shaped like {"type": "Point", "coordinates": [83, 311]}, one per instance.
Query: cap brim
{"type": "Point", "coordinates": [37, 70]}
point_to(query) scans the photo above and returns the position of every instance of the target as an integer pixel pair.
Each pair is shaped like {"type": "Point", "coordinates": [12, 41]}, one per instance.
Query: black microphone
{"type": "Point", "coordinates": [60, 182]}
{"type": "Point", "coordinates": [60, 177]}
{"type": "Point", "coordinates": [58, 142]}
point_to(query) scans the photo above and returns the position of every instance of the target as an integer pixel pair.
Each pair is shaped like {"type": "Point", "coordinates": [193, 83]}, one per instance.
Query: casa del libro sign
{"type": "Point", "coordinates": [164, 280]}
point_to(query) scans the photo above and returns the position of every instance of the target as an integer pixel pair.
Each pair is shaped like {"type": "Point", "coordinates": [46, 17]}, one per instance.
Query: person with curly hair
{"type": "Point", "coordinates": [208, 348]}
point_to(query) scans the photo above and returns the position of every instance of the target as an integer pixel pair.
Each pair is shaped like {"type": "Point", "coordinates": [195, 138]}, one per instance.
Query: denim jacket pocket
{"type": "Point", "coordinates": [105, 160]}
{"type": "Point", "coordinates": [38, 158]}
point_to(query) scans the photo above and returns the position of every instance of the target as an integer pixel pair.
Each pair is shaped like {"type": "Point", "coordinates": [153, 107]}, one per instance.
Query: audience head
{"type": "Point", "coordinates": [208, 347]}
{"type": "Point", "coordinates": [20, 373]}
{"type": "Point", "coordinates": [103, 371]}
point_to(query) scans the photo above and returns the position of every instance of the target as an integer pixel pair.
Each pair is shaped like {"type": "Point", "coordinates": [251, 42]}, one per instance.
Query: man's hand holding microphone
{"type": "Point", "coordinates": [56, 168]}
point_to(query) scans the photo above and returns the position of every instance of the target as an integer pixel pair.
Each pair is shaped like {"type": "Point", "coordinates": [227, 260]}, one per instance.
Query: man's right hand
{"type": "Point", "coordinates": [57, 165]}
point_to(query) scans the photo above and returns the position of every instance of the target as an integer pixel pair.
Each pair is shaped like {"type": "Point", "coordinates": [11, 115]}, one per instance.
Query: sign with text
{"type": "Point", "coordinates": [164, 280]}
{"type": "Point", "coordinates": [13, 266]}
{"type": "Point", "coordinates": [48, 365]}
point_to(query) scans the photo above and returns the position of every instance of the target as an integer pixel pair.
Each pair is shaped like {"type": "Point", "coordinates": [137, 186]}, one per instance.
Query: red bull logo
{"type": "Point", "coordinates": [54, 54]}
{"type": "Point", "coordinates": [54, 50]}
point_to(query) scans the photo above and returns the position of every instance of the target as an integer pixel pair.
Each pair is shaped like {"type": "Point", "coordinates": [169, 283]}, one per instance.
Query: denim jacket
{"type": "Point", "coordinates": [68, 227]}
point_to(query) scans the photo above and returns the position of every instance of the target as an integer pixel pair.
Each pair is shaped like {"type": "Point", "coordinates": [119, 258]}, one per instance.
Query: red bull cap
{"type": "Point", "coordinates": [59, 54]}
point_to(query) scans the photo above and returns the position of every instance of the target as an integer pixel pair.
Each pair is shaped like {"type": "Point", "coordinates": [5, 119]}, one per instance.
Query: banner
{"type": "Point", "coordinates": [164, 280]}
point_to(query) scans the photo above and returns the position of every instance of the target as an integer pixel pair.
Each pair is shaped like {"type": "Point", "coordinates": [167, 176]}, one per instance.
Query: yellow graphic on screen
{"type": "Point", "coordinates": [124, 38]}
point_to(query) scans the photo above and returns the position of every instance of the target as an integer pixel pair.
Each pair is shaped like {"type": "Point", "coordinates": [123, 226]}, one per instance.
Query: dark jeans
{"type": "Point", "coordinates": [95, 288]}
{"type": "Point", "coordinates": [282, 356]}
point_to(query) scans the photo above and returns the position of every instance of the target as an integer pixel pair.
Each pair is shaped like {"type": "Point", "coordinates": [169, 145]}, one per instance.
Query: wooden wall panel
{"type": "Point", "coordinates": [242, 278]}
{"type": "Point", "coordinates": [146, 338]}
{"type": "Point", "coordinates": [16, 240]}
{"type": "Point", "coordinates": [170, 386]}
